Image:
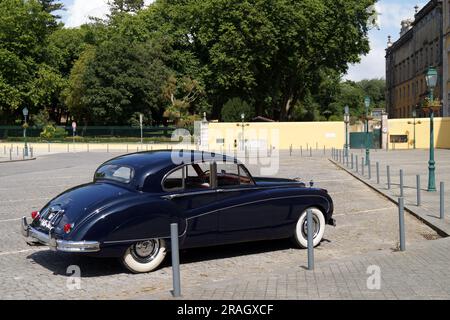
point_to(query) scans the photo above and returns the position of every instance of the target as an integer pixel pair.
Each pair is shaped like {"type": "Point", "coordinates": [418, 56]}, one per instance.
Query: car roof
{"type": "Point", "coordinates": [159, 163]}
{"type": "Point", "coordinates": [168, 158]}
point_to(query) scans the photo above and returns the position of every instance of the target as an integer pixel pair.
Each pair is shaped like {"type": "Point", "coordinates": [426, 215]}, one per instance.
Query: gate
{"type": "Point", "coordinates": [358, 140]}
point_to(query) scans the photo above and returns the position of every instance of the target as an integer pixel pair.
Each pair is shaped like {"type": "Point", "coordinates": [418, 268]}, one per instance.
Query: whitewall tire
{"type": "Point", "coordinates": [145, 256]}
{"type": "Point", "coordinates": [301, 234]}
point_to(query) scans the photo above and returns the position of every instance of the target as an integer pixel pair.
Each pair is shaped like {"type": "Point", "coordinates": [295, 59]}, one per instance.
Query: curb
{"type": "Point", "coordinates": [23, 160]}
{"type": "Point", "coordinates": [442, 229]}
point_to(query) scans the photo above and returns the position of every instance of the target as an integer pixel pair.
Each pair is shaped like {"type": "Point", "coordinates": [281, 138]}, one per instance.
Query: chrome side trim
{"type": "Point", "coordinates": [252, 202]}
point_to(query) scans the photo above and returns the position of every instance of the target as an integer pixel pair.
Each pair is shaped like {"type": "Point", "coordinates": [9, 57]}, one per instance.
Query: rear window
{"type": "Point", "coordinates": [116, 173]}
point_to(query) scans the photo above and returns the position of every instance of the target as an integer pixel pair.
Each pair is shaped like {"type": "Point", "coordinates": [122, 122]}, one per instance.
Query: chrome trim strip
{"type": "Point", "coordinates": [58, 245]}
{"type": "Point", "coordinates": [253, 202]}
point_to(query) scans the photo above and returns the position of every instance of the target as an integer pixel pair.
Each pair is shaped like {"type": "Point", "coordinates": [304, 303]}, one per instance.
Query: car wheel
{"type": "Point", "coordinates": [301, 231]}
{"type": "Point", "coordinates": [145, 256]}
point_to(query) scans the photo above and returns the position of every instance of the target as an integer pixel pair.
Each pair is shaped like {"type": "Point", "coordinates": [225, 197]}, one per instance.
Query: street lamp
{"type": "Point", "coordinates": [414, 123]}
{"type": "Point", "coordinates": [367, 104]}
{"type": "Point", "coordinates": [25, 125]}
{"type": "Point", "coordinates": [431, 79]}
{"type": "Point", "coordinates": [243, 125]}
{"type": "Point", "coordinates": [346, 121]}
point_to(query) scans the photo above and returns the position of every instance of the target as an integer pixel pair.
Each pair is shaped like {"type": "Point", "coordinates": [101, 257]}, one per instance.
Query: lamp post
{"type": "Point", "coordinates": [414, 123]}
{"type": "Point", "coordinates": [243, 125]}
{"type": "Point", "coordinates": [431, 79]}
{"type": "Point", "coordinates": [367, 105]}
{"type": "Point", "coordinates": [347, 121]}
{"type": "Point", "coordinates": [25, 125]}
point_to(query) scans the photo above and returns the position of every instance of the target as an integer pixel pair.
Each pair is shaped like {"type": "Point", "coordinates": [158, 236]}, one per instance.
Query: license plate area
{"type": "Point", "coordinates": [51, 217]}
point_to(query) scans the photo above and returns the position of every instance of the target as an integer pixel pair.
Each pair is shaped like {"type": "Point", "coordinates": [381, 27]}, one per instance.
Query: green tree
{"type": "Point", "coordinates": [234, 108]}
{"type": "Point", "coordinates": [125, 6]}
{"type": "Point", "coordinates": [123, 78]}
{"type": "Point", "coordinates": [24, 31]}
{"type": "Point", "coordinates": [268, 51]}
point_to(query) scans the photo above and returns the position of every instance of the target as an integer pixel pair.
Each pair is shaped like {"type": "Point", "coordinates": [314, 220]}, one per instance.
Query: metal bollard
{"type": "Point", "coordinates": [4, 149]}
{"type": "Point", "coordinates": [301, 151]}
{"type": "Point", "coordinates": [310, 152]}
{"type": "Point", "coordinates": [17, 150]}
{"type": "Point", "coordinates": [369, 166]}
{"type": "Point", "coordinates": [388, 174]}
{"type": "Point", "coordinates": [290, 151]}
{"type": "Point", "coordinates": [352, 162]}
{"type": "Point", "coordinates": [48, 147]}
{"type": "Point", "coordinates": [68, 148]}
{"type": "Point", "coordinates": [378, 173]}
{"type": "Point", "coordinates": [356, 161]}
{"type": "Point", "coordinates": [10, 154]}
{"type": "Point", "coordinates": [401, 183]}
{"type": "Point", "coordinates": [31, 151]}
{"type": "Point", "coordinates": [401, 214]}
{"type": "Point", "coordinates": [175, 260]}
{"type": "Point", "coordinates": [419, 200]}
{"type": "Point", "coordinates": [362, 165]}
{"type": "Point", "coordinates": [88, 147]}
{"type": "Point", "coordinates": [324, 151]}
{"type": "Point", "coordinates": [442, 192]}
{"type": "Point", "coordinates": [107, 147]}
{"type": "Point", "coordinates": [347, 161]}
{"type": "Point", "coordinates": [127, 148]}
{"type": "Point", "coordinates": [309, 222]}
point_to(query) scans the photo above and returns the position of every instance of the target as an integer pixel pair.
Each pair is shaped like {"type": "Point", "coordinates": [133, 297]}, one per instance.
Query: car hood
{"type": "Point", "coordinates": [272, 182]}
{"type": "Point", "coordinates": [77, 203]}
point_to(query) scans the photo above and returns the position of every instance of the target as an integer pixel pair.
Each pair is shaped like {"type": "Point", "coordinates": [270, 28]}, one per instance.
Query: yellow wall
{"type": "Point", "coordinates": [279, 135]}
{"type": "Point", "coordinates": [282, 135]}
{"type": "Point", "coordinates": [401, 127]}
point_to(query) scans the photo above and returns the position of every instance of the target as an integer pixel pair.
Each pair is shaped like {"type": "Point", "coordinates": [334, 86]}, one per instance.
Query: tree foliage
{"type": "Point", "coordinates": [175, 59]}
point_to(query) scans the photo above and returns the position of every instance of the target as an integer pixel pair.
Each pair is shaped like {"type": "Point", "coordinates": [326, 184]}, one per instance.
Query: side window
{"type": "Point", "coordinates": [174, 181]}
{"type": "Point", "coordinates": [244, 176]}
{"type": "Point", "coordinates": [227, 175]}
{"type": "Point", "coordinates": [198, 176]}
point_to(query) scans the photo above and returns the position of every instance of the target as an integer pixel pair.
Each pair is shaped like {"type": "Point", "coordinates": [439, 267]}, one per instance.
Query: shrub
{"type": "Point", "coordinates": [51, 133]}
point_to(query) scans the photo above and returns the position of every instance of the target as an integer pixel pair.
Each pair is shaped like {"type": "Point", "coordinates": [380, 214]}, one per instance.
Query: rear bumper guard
{"type": "Point", "coordinates": [54, 244]}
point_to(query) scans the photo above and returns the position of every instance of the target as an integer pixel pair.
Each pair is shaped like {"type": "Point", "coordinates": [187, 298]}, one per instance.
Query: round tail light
{"type": "Point", "coordinates": [68, 227]}
{"type": "Point", "coordinates": [35, 215]}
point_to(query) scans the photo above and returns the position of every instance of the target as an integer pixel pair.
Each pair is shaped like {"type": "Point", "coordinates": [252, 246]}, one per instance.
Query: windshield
{"type": "Point", "coordinates": [115, 172]}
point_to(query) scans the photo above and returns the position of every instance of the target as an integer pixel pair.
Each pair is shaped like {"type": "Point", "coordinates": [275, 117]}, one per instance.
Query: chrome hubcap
{"type": "Point", "coordinates": [145, 250]}
{"type": "Point", "coordinates": [316, 227]}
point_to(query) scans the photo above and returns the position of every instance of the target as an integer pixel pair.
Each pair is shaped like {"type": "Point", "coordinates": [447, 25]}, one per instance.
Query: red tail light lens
{"type": "Point", "coordinates": [35, 215]}
{"type": "Point", "coordinates": [67, 228]}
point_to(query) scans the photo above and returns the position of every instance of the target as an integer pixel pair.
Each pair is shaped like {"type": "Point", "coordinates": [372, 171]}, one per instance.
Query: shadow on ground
{"type": "Point", "coordinates": [58, 263]}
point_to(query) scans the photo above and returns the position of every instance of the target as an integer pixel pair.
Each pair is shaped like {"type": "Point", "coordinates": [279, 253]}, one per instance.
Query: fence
{"type": "Point", "coordinates": [92, 131]}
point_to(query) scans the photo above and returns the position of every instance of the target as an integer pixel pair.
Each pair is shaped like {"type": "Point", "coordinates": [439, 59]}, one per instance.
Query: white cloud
{"type": "Point", "coordinates": [391, 13]}
{"type": "Point", "coordinates": [79, 11]}
{"type": "Point", "coordinates": [390, 16]}
{"type": "Point", "coordinates": [373, 64]}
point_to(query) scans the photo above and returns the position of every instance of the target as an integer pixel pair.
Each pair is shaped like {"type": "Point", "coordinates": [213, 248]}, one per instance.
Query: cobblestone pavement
{"type": "Point", "coordinates": [419, 273]}
{"type": "Point", "coordinates": [367, 223]}
{"type": "Point", "coordinates": [412, 162]}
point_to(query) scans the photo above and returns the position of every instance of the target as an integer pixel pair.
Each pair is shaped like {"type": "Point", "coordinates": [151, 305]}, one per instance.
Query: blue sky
{"type": "Point", "coordinates": [371, 66]}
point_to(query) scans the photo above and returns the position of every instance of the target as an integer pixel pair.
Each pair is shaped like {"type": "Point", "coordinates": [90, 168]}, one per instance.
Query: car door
{"type": "Point", "coordinates": [244, 215]}
{"type": "Point", "coordinates": [191, 191]}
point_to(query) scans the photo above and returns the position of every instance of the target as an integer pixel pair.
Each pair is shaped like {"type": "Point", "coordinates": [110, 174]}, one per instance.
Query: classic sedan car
{"type": "Point", "coordinates": [127, 210]}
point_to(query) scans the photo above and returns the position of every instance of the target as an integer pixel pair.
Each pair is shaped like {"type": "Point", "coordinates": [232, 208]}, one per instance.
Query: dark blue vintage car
{"type": "Point", "coordinates": [127, 210]}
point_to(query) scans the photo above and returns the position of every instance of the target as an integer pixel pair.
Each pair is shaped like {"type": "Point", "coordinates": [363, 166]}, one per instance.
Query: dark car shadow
{"type": "Point", "coordinates": [58, 263]}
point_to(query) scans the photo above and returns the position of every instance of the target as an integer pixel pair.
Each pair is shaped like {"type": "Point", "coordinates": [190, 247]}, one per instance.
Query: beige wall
{"type": "Point", "coordinates": [401, 127]}
{"type": "Point", "coordinates": [279, 135]}
{"type": "Point", "coordinates": [323, 134]}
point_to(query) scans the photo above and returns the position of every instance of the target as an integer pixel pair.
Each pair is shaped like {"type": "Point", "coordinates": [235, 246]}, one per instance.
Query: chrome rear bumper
{"type": "Point", "coordinates": [48, 239]}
